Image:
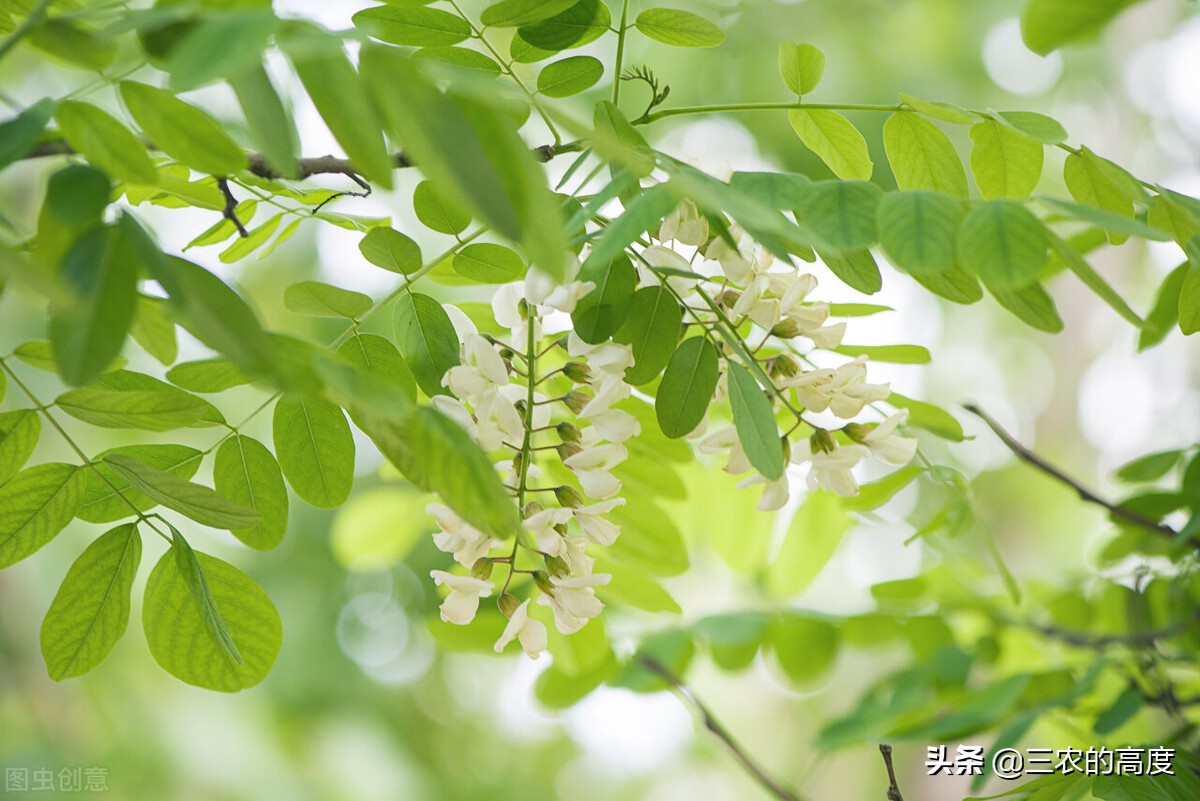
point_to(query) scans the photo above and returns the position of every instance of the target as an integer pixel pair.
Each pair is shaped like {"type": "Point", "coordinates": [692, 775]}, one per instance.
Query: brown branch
{"type": "Point", "coordinates": [714, 726]}
{"type": "Point", "coordinates": [1031, 458]}
{"type": "Point", "coordinates": [307, 167]}
{"type": "Point", "coordinates": [230, 210]}
{"type": "Point", "coordinates": [893, 792]}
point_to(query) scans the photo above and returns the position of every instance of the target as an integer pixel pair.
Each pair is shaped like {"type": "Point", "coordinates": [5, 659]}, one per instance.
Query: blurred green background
{"type": "Point", "coordinates": [365, 704]}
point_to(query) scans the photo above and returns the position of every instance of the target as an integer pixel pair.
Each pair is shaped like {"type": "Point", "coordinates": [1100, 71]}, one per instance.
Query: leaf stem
{"type": "Point", "coordinates": [531, 356]}
{"type": "Point", "coordinates": [681, 111]}
{"type": "Point", "coordinates": [616, 93]}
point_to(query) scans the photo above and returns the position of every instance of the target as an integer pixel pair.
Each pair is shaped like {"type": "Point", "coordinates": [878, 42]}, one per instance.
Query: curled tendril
{"type": "Point", "coordinates": [659, 91]}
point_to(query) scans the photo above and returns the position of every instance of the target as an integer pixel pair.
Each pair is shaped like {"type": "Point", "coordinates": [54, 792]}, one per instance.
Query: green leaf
{"type": "Point", "coordinates": [460, 57]}
{"type": "Point", "coordinates": [514, 13]}
{"type": "Point", "coordinates": [343, 100]}
{"type": "Point", "coordinates": [412, 25]}
{"type": "Point", "coordinates": [471, 150]}
{"type": "Point", "coordinates": [1047, 25]}
{"type": "Point", "coordinates": [1127, 704]}
{"type": "Point", "coordinates": [922, 157]}
{"type": "Point", "coordinates": [1005, 163]}
{"type": "Point", "coordinates": [1036, 126]}
{"type": "Point", "coordinates": [1126, 787]}
{"type": "Point", "coordinates": [687, 387]}
{"type": "Point", "coordinates": [19, 135]}
{"type": "Point", "coordinates": [207, 376]}
{"type": "Point", "coordinates": [856, 269]}
{"type": "Point", "coordinates": [19, 434]}
{"type": "Point", "coordinates": [1079, 265]}
{"type": "Point", "coordinates": [584, 22]}
{"type": "Point", "coordinates": [221, 45]}
{"type": "Point", "coordinates": [569, 76]}
{"type": "Point", "coordinates": [842, 212]}
{"type": "Point", "coordinates": [835, 140]}
{"type": "Point", "coordinates": [77, 196]}
{"type": "Point", "coordinates": [315, 449]}
{"type": "Point", "coordinates": [35, 505]}
{"type": "Point", "coordinates": [1003, 243]}
{"type": "Point", "coordinates": [119, 401]}
{"type": "Point", "coordinates": [108, 497]}
{"type": "Point", "coordinates": [678, 28]}
{"type": "Point", "coordinates": [181, 130]}
{"type": "Point", "coordinates": [805, 647]}
{"type": "Point", "coordinates": [102, 271]}
{"type": "Point", "coordinates": [946, 112]}
{"type": "Point", "coordinates": [377, 356]}
{"type": "Point", "coordinates": [734, 638]}
{"type": "Point", "coordinates": [437, 213]}
{"type": "Point", "coordinates": [641, 214]}
{"type": "Point", "coordinates": [1107, 220]}
{"type": "Point", "coordinates": [919, 230]}
{"type": "Point", "coordinates": [427, 340]}
{"type": "Point", "coordinates": [755, 423]}
{"type": "Point", "coordinates": [672, 648]}
{"type": "Point", "coordinates": [652, 329]}
{"type": "Point", "coordinates": [196, 501]}
{"type": "Point", "coordinates": [1090, 184]}
{"type": "Point", "coordinates": [892, 354]}
{"type": "Point", "coordinates": [322, 300]}
{"type": "Point", "coordinates": [243, 246]}
{"type": "Point", "coordinates": [215, 314]}
{"type": "Point", "coordinates": [453, 466]}
{"type": "Point", "coordinates": [811, 540]}
{"type": "Point", "coordinates": [73, 44]}
{"type": "Point", "coordinates": [877, 493]}
{"type": "Point", "coordinates": [619, 140]}
{"type": "Point", "coordinates": [1165, 314]}
{"type": "Point", "coordinates": [1032, 304]}
{"type": "Point", "coordinates": [600, 313]}
{"type": "Point", "coordinates": [929, 417]}
{"type": "Point", "coordinates": [154, 330]}
{"type": "Point", "coordinates": [90, 612]}
{"type": "Point", "coordinates": [1169, 214]}
{"type": "Point", "coordinates": [392, 250]}
{"type": "Point", "coordinates": [246, 473]}
{"type": "Point", "coordinates": [954, 285]}
{"type": "Point", "coordinates": [489, 264]}
{"type": "Point", "coordinates": [1189, 292]}
{"type": "Point", "coordinates": [105, 142]}
{"type": "Point", "coordinates": [272, 129]}
{"type": "Point", "coordinates": [179, 628]}
{"type": "Point", "coordinates": [801, 66]}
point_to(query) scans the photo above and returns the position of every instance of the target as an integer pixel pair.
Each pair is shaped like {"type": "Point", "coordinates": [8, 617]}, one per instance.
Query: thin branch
{"type": "Point", "coordinates": [230, 210]}
{"type": "Point", "coordinates": [714, 726]}
{"type": "Point", "coordinates": [307, 167]}
{"type": "Point", "coordinates": [893, 792]}
{"type": "Point", "coordinates": [1031, 458]}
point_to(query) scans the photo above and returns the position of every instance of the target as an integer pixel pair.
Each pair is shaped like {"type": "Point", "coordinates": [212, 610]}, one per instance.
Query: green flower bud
{"type": "Point", "coordinates": [521, 406]}
{"type": "Point", "coordinates": [543, 581]}
{"type": "Point", "coordinates": [568, 498]}
{"type": "Point", "coordinates": [523, 309]}
{"type": "Point", "coordinates": [822, 440]}
{"type": "Point", "coordinates": [785, 329]}
{"type": "Point", "coordinates": [566, 450]}
{"type": "Point", "coordinates": [508, 604]}
{"type": "Point", "coordinates": [482, 569]}
{"type": "Point", "coordinates": [857, 431]}
{"type": "Point", "coordinates": [557, 567]}
{"type": "Point", "coordinates": [576, 400]}
{"type": "Point", "coordinates": [729, 298]}
{"type": "Point", "coordinates": [784, 366]}
{"type": "Point", "coordinates": [577, 372]}
{"type": "Point", "coordinates": [531, 509]}
{"type": "Point", "coordinates": [787, 450]}
{"type": "Point", "coordinates": [569, 432]}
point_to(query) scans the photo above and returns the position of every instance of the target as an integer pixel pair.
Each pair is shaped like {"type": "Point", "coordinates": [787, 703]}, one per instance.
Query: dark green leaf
{"type": "Point", "coordinates": [842, 212]}
{"type": "Point", "coordinates": [919, 230]}
{"type": "Point", "coordinates": [804, 646]}
{"type": "Point", "coordinates": [20, 134]}
{"type": "Point", "coordinates": [642, 214]}
{"type": "Point", "coordinates": [392, 250]}
{"type": "Point", "coordinates": [580, 24]}
{"type": "Point", "coordinates": [856, 269]}
{"type": "Point", "coordinates": [489, 264]}
{"type": "Point", "coordinates": [954, 285]}
{"type": "Point", "coordinates": [437, 213]}
{"type": "Point", "coordinates": [513, 13]}
{"type": "Point", "coordinates": [209, 375]}
{"type": "Point", "coordinates": [427, 340]}
{"type": "Point", "coordinates": [1047, 25]}
{"type": "Point", "coordinates": [152, 406]}
{"type": "Point", "coordinates": [1150, 467]}
{"type": "Point", "coordinates": [108, 497]}
{"type": "Point", "coordinates": [929, 417]}
{"type": "Point", "coordinates": [599, 314]}
{"type": "Point", "coordinates": [377, 356]}
{"type": "Point", "coordinates": [183, 131]}
{"type": "Point", "coordinates": [687, 387]}
{"type": "Point", "coordinates": [652, 329]}
{"type": "Point", "coordinates": [460, 57]}
{"type": "Point", "coordinates": [569, 76]}
{"type": "Point", "coordinates": [107, 143]}
{"type": "Point", "coordinates": [19, 434]}
{"type": "Point", "coordinates": [272, 129]}
{"type": "Point", "coordinates": [1032, 304]}
{"type": "Point", "coordinates": [1003, 243]}
{"type": "Point", "coordinates": [412, 25]}
{"type": "Point", "coordinates": [322, 300]}
{"type": "Point", "coordinates": [220, 45]}
{"type": "Point", "coordinates": [755, 423]}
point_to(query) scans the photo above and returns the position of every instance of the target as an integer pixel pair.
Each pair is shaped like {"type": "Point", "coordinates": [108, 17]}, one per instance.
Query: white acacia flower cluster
{"type": "Point", "coordinates": [491, 393]}
{"type": "Point", "coordinates": [775, 297]}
